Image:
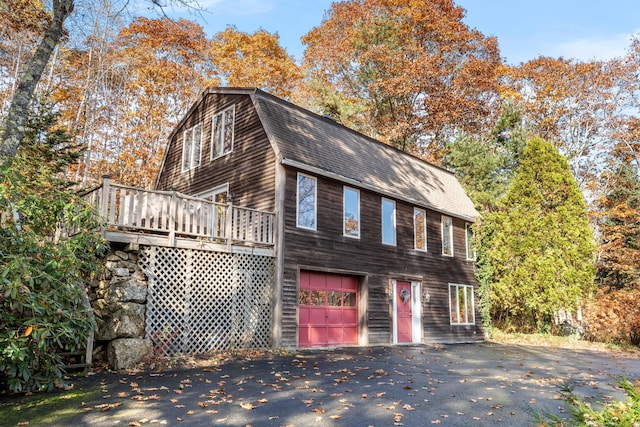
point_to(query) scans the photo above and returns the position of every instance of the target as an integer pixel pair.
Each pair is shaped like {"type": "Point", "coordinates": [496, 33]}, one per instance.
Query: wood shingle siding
{"type": "Point", "coordinates": [252, 184]}
{"type": "Point", "coordinates": [273, 142]}
{"type": "Point", "coordinates": [328, 250]}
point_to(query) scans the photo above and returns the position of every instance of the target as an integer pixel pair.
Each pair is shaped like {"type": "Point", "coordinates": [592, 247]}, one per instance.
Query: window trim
{"type": "Point", "coordinates": [415, 230]}
{"type": "Point", "coordinates": [193, 161]}
{"type": "Point", "coordinates": [442, 222]}
{"type": "Point", "coordinates": [393, 221]}
{"type": "Point", "coordinates": [468, 310]}
{"type": "Point", "coordinates": [315, 201]}
{"type": "Point", "coordinates": [469, 243]}
{"type": "Point", "coordinates": [222, 114]}
{"type": "Point", "coordinates": [344, 212]}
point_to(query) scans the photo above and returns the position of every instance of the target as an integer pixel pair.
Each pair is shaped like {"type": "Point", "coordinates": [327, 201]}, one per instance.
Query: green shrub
{"type": "Point", "coordinates": [43, 304]}
{"type": "Point", "coordinates": [613, 414]}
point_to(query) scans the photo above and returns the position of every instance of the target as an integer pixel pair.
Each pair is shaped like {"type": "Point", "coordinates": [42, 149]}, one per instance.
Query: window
{"type": "Point", "coordinates": [388, 222]}
{"type": "Point", "coordinates": [351, 210]}
{"type": "Point", "coordinates": [461, 305]}
{"type": "Point", "coordinates": [222, 132]}
{"type": "Point", "coordinates": [191, 147]}
{"type": "Point", "coordinates": [471, 251]}
{"type": "Point", "coordinates": [419, 229]}
{"type": "Point", "coordinates": [447, 236]}
{"type": "Point", "coordinates": [306, 202]}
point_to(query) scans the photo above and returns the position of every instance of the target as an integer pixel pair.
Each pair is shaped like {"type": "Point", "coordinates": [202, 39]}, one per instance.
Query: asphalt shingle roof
{"type": "Point", "coordinates": [320, 145]}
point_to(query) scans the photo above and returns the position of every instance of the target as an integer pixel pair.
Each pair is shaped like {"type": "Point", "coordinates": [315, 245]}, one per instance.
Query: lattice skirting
{"type": "Point", "coordinates": [199, 301]}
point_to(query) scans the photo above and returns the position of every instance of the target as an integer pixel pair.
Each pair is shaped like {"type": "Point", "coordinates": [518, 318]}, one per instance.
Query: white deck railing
{"type": "Point", "coordinates": [174, 214]}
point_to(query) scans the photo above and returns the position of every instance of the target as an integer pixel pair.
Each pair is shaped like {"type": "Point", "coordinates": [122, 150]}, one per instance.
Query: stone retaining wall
{"type": "Point", "coordinates": [118, 296]}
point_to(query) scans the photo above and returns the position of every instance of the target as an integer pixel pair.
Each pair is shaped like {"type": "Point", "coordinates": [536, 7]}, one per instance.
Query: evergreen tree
{"type": "Point", "coordinates": [537, 250]}
{"type": "Point", "coordinates": [485, 165]}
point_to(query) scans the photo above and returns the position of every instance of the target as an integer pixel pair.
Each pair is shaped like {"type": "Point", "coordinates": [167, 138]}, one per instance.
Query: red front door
{"type": "Point", "coordinates": [328, 309]}
{"type": "Point", "coordinates": [403, 311]}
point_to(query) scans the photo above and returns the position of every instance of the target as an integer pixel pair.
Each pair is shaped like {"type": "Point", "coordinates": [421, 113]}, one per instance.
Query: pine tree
{"type": "Point", "coordinates": [537, 249]}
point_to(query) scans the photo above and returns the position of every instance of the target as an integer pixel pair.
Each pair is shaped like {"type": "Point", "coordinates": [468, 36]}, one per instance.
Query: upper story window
{"type": "Point", "coordinates": [461, 305]}
{"type": "Point", "coordinates": [471, 250]}
{"type": "Point", "coordinates": [222, 132]}
{"type": "Point", "coordinates": [351, 212]}
{"type": "Point", "coordinates": [419, 229]}
{"type": "Point", "coordinates": [191, 147]}
{"type": "Point", "coordinates": [447, 236]}
{"type": "Point", "coordinates": [306, 202]}
{"type": "Point", "coordinates": [388, 222]}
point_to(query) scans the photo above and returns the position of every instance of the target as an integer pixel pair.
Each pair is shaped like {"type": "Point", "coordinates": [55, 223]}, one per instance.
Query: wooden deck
{"type": "Point", "coordinates": [168, 218]}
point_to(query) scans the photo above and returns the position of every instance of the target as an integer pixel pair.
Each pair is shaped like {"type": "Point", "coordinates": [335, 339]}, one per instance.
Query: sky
{"type": "Point", "coordinates": [579, 29]}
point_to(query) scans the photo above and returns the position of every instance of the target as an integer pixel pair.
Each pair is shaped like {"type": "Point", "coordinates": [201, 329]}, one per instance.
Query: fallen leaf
{"type": "Point", "coordinates": [335, 417]}
{"type": "Point", "coordinates": [435, 422]}
{"type": "Point", "coordinates": [247, 405]}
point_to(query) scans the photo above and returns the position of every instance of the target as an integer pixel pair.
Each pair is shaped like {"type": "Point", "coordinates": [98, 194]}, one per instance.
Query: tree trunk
{"type": "Point", "coordinates": [17, 114]}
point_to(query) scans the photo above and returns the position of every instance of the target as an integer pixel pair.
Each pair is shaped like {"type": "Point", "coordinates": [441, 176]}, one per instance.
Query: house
{"type": "Point", "coordinates": [372, 244]}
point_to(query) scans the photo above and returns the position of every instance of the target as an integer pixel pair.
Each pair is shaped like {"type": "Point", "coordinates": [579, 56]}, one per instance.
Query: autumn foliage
{"type": "Point", "coordinates": [407, 72]}
{"type": "Point", "coordinates": [613, 315]}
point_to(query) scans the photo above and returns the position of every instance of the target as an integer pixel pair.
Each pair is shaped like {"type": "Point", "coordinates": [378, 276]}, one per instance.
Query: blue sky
{"type": "Point", "coordinates": [581, 29]}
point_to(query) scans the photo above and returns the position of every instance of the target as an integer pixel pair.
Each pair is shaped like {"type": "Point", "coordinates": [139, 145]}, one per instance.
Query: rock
{"type": "Point", "coordinates": [126, 291]}
{"type": "Point", "coordinates": [121, 272]}
{"type": "Point", "coordinates": [127, 321]}
{"type": "Point", "coordinates": [124, 353]}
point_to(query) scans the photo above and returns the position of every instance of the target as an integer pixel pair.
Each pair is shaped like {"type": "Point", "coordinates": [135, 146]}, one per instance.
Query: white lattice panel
{"type": "Point", "coordinates": [199, 301]}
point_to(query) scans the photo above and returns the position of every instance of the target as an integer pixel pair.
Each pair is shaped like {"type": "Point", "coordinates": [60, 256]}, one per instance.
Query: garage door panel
{"type": "Point", "coordinates": [350, 317]}
{"type": "Point", "coordinates": [317, 316]}
{"type": "Point", "coordinates": [329, 315]}
{"type": "Point", "coordinates": [317, 334]}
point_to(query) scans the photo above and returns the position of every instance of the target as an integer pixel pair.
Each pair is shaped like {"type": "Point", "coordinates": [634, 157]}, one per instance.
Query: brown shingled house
{"type": "Point", "coordinates": [372, 244]}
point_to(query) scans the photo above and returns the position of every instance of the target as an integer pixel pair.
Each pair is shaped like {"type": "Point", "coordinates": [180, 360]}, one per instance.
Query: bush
{"type": "Point", "coordinates": [614, 414]}
{"type": "Point", "coordinates": [43, 304]}
{"type": "Point", "coordinates": [613, 316]}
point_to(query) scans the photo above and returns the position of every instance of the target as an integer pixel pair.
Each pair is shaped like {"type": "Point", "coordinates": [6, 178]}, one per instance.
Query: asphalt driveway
{"type": "Point", "coordinates": [452, 385]}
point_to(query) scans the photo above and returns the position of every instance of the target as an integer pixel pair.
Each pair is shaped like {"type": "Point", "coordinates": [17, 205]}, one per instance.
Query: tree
{"type": "Point", "coordinates": [486, 164]}
{"type": "Point", "coordinates": [162, 68]}
{"type": "Point", "coordinates": [255, 60]}
{"type": "Point", "coordinates": [537, 251]}
{"type": "Point", "coordinates": [408, 72]}
{"type": "Point", "coordinates": [14, 130]}
{"type": "Point", "coordinates": [618, 263]}
{"type": "Point", "coordinates": [15, 121]}
{"type": "Point", "coordinates": [574, 104]}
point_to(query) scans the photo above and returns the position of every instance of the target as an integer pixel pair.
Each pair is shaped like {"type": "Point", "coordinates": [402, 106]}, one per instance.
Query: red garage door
{"type": "Point", "coordinates": [328, 306]}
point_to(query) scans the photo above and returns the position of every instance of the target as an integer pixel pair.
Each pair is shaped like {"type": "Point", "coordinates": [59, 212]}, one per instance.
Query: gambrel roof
{"type": "Point", "coordinates": [318, 145]}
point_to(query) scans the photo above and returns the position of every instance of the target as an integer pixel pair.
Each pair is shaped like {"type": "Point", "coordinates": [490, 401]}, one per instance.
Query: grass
{"type": "Point", "coordinates": [571, 342]}
{"type": "Point", "coordinates": [44, 409]}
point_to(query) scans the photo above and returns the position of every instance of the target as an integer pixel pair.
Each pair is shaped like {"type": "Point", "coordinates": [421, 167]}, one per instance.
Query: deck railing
{"type": "Point", "coordinates": [174, 214]}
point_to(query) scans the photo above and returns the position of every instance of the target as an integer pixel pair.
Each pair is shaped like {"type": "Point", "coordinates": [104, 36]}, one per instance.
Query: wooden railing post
{"type": "Point", "coordinates": [229, 225]}
{"type": "Point", "coordinates": [173, 210]}
{"type": "Point", "coordinates": [103, 199]}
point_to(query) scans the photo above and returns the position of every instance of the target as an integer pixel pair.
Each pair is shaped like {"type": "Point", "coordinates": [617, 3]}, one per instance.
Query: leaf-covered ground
{"type": "Point", "coordinates": [453, 385]}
